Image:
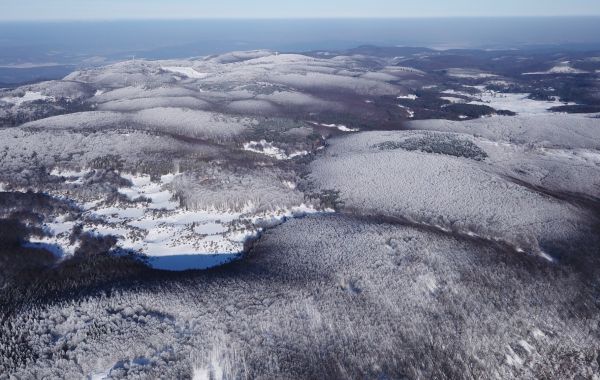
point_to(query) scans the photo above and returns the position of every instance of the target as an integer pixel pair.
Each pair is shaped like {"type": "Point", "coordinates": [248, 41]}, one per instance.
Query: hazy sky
{"type": "Point", "coordinates": [144, 9]}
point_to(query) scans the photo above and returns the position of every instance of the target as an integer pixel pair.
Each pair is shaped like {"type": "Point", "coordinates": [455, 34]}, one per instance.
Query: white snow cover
{"type": "Point", "coordinates": [194, 122]}
{"type": "Point", "coordinates": [268, 149]}
{"type": "Point", "coordinates": [188, 72]}
{"type": "Point", "coordinates": [516, 102]}
{"type": "Point", "coordinates": [339, 127]}
{"type": "Point", "coordinates": [453, 99]}
{"type": "Point", "coordinates": [29, 96]}
{"type": "Point", "coordinates": [298, 99]}
{"type": "Point", "coordinates": [141, 92]}
{"type": "Point", "coordinates": [446, 192]}
{"type": "Point", "coordinates": [58, 242]}
{"type": "Point", "coordinates": [468, 74]}
{"type": "Point", "coordinates": [409, 112]}
{"type": "Point", "coordinates": [543, 130]}
{"type": "Point", "coordinates": [172, 237]}
{"type": "Point", "coordinates": [561, 68]}
{"type": "Point", "coordinates": [139, 104]}
{"type": "Point", "coordinates": [227, 75]}
{"type": "Point", "coordinates": [399, 70]}
{"type": "Point", "coordinates": [188, 122]}
{"type": "Point", "coordinates": [315, 80]}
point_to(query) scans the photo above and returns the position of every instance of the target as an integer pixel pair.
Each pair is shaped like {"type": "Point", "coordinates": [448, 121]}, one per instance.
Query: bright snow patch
{"type": "Point", "coordinates": [409, 96]}
{"type": "Point", "coordinates": [171, 237]}
{"type": "Point", "coordinates": [410, 113]}
{"type": "Point", "coordinates": [268, 149]}
{"type": "Point", "coordinates": [512, 358]}
{"type": "Point", "coordinates": [30, 96]}
{"type": "Point", "coordinates": [185, 71]}
{"type": "Point", "coordinates": [562, 68]}
{"type": "Point", "coordinates": [538, 334]}
{"type": "Point", "coordinates": [58, 237]}
{"type": "Point", "coordinates": [519, 103]}
{"type": "Point", "coordinates": [339, 127]}
{"type": "Point", "coordinates": [526, 346]}
{"type": "Point", "coordinates": [546, 256]}
{"type": "Point", "coordinates": [144, 187]}
{"type": "Point", "coordinates": [100, 375]}
{"type": "Point", "coordinates": [453, 99]}
{"type": "Point", "coordinates": [516, 102]}
{"type": "Point", "coordinates": [468, 74]}
{"type": "Point", "coordinates": [71, 176]}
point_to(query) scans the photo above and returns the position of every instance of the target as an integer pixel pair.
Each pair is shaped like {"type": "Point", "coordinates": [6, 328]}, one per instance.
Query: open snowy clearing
{"type": "Point", "coordinates": [519, 103]}
{"type": "Point", "coordinates": [268, 149]}
{"type": "Point", "coordinates": [339, 127]}
{"type": "Point", "coordinates": [188, 72]}
{"type": "Point", "coordinates": [468, 74]}
{"type": "Point", "coordinates": [172, 238]}
{"type": "Point", "coordinates": [29, 96]}
{"type": "Point", "coordinates": [562, 68]}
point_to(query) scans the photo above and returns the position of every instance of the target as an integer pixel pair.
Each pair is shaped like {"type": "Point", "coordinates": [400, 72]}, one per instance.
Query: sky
{"type": "Point", "coordinates": [20, 10]}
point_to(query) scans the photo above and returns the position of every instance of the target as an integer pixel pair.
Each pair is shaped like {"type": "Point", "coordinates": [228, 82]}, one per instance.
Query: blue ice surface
{"type": "Point", "coordinates": [191, 262]}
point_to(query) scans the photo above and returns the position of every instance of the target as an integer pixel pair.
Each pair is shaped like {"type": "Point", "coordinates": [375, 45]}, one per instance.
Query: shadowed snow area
{"type": "Point", "coordinates": [329, 296]}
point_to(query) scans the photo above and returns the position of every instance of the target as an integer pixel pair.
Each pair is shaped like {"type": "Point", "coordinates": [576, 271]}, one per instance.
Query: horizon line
{"type": "Point", "coordinates": [298, 18]}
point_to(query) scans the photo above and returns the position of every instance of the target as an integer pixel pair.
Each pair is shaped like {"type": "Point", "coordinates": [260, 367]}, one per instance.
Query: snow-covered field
{"type": "Point", "coordinates": [268, 149]}
{"type": "Point", "coordinates": [156, 226]}
{"type": "Point", "coordinates": [468, 74]}
{"type": "Point", "coordinates": [561, 68]}
{"type": "Point", "coordinates": [188, 72]}
{"type": "Point", "coordinates": [516, 102]}
{"type": "Point", "coordinates": [408, 96]}
{"type": "Point", "coordinates": [409, 113]}
{"type": "Point", "coordinates": [29, 96]}
{"type": "Point", "coordinates": [339, 127]}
